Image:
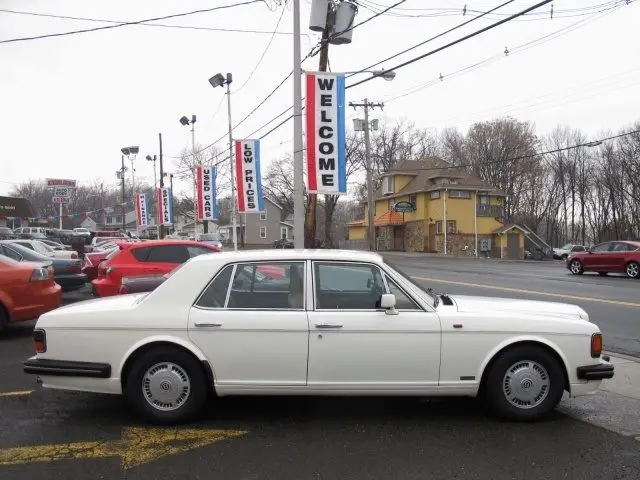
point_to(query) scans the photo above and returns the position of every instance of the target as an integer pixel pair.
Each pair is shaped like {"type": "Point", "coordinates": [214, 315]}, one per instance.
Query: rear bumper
{"type": "Point", "coordinates": [44, 301]}
{"type": "Point", "coordinates": [71, 281]}
{"type": "Point", "coordinates": [66, 368]}
{"type": "Point", "coordinates": [595, 372]}
{"type": "Point", "coordinates": [103, 288]}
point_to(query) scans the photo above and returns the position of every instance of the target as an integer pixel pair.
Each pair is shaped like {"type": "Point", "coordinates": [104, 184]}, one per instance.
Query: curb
{"type": "Point", "coordinates": [622, 356]}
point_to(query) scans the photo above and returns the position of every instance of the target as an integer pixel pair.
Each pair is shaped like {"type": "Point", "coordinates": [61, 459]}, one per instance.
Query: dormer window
{"type": "Point", "coordinates": [387, 185]}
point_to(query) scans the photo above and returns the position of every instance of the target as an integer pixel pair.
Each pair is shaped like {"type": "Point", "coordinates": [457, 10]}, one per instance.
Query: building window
{"type": "Point", "coordinates": [118, 219]}
{"type": "Point", "coordinates": [412, 199]}
{"type": "Point", "coordinates": [391, 203]}
{"type": "Point", "coordinates": [459, 194]}
{"type": "Point", "coordinates": [484, 200]}
{"type": "Point", "coordinates": [434, 195]}
{"type": "Point", "coordinates": [263, 215]}
{"type": "Point", "coordinates": [439, 226]}
{"type": "Point", "coordinates": [283, 233]}
{"type": "Point", "coordinates": [387, 185]}
{"type": "Point", "coordinates": [109, 219]}
{"type": "Point", "coordinates": [263, 232]}
{"type": "Point", "coordinates": [451, 226]}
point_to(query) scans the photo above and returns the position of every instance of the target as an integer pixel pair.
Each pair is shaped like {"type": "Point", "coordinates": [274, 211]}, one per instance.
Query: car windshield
{"type": "Point", "coordinates": [408, 278]}
{"type": "Point", "coordinates": [42, 248]}
{"type": "Point", "coordinates": [209, 237]}
{"type": "Point", "coordinates": [568, 246]}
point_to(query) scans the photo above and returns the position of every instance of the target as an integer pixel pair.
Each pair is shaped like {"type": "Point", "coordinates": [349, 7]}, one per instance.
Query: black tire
{"type": "Point", "coordinates": [189, 407]}
{"type": "Point", "coordinates": [602, 274]}
{"type": "Point", "coordinates": [632, 270]}
{"type": "Point", "coordinates": [530, 355]}
{"type": "Point", "coordinates": [4, 318]}
{"type": "Point", "coordinates": [576, 267]}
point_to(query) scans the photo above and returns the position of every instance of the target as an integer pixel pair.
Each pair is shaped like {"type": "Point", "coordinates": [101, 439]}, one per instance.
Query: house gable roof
{"type": "Point", "coordinates": [429, 169]}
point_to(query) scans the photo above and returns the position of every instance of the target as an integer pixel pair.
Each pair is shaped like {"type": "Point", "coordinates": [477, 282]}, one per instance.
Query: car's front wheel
{"type": "Point", "coordinates": [167, 385]}
{"type": "Point", "coordinates": [524, 383]}
{"type": "Point", "coordinates": [633, 270]}
{"type": "Point", "coordinates": [576, 267]}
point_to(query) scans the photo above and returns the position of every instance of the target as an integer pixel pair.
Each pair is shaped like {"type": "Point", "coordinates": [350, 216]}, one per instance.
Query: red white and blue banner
{"type": "Point", "coordinates": [248, 177]}
{"type": "Point", "coordinates": [326, 140]}
{"type": "Point", "coordinates": [143, 216]}
{"type": "Point", "coordinates": [164, 206]}
{"type": "Point", "coordinates": [206, 202]}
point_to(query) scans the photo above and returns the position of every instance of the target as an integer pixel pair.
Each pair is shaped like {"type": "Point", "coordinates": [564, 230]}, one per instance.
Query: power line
{"type": "Point", "coordinates": [367, 20]}
{"type": "Point", "coordinates": [136, 22]}
{"type": "Point", "coordinates": [145, 24]}
{"type": "Point", "coordinates": [431, 38]}
{"type": "Point", "coordinates": [460, 40]}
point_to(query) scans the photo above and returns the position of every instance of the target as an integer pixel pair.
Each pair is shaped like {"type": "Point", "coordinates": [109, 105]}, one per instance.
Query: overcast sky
{"type": "Point", "coordinates": [70, 103]}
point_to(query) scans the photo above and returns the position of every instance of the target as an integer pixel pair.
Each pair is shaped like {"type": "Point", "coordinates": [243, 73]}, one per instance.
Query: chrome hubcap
{"type": "Point", "coordinates": [166, 386]}
{"type": "Point", "coordinates": [526, 384]}
{"type": "Point", "coordinates": [632, 270]}
{"type": "Point", "coordinates": [575, 267]}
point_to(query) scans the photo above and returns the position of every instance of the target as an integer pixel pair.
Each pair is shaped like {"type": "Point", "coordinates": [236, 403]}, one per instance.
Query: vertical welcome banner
{"type": "Point", "coordinates": [143, 219]}
{"type": "Point", "coordinates": [163, 198]}
{"type": "Point", "coordinates": [248, 176]}
{"type": "Point", "coordinates": [326, 141]}
{"type": "Point", "coordinates": [206, 201]}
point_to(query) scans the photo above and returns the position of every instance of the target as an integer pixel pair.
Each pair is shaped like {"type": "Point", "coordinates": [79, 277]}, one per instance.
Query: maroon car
{"type": "Point", "coordinates": [608, 257]}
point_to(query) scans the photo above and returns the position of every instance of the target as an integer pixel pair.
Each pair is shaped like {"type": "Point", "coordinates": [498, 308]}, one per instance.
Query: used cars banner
{"type": "Point", "coordinates": [326, 149]}
{"type": "Point", "coordinates": [248, 177]}
{"type": "Point", "coordinates": [207, 204]}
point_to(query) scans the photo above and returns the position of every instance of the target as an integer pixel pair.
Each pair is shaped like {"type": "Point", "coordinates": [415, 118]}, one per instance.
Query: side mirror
{"type": "Point", "coordinates": [388, 302]}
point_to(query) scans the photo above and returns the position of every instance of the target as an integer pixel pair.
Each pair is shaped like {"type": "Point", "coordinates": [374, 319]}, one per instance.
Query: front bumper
{"type": "Point", "coordinates": [595, 372]}
{"type": "Point", "coordinates": [66, 368]}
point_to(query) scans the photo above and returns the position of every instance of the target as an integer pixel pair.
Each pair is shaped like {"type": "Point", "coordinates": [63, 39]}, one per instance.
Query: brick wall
{"type": "Point", "coordinates": [384, 238]}
{"type": "Point", "coordinates": [414, 236]}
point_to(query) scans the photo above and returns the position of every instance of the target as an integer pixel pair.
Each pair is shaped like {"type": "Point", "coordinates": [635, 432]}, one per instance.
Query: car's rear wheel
{"type": "Point", "coordinates": [524, 383]}
{"type": "Point", "coordinates": [167, 385]}
{"type": "Point", "coordinates": [576, 267]}
{"type": "Point", "coordinates": [633, 270]}
{"type": "Point", "coordinates": [4, 318]}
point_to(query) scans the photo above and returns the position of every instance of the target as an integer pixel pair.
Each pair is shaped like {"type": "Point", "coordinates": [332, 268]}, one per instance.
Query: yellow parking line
{"type": "Point", "coordinates": [534, 292]}
{"type": "Point", "coordinates": [21, 393]}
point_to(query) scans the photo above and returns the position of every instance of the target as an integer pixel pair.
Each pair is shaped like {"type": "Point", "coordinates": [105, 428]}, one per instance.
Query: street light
{"type": "Point", "coordinates": [388, 75]}
{"type": "Point", "coordinates": [219, 80]}
{"type": "Point", "coordinates": [130, 153]}
{"type": "Point", "coordinates": [185, 121]}
{"type": "Point", "coordinates": [153, 159]}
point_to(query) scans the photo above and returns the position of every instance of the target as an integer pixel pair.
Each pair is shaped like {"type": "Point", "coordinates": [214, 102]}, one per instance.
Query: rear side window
{"type": "Point", "coordinates": [168, 254]}
{"type": "Point", "coordinates": [140, 254]}
{"type": "Point", "coordinates": [195, 251]}
{"type": "Point", "coordinates": [215, 295]}
{"type": "Point", "coordinates": [11, 253]}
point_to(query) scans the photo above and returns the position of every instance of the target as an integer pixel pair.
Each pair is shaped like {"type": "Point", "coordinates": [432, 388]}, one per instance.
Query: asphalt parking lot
{"type": "Point", "coordinates": [52, 434]}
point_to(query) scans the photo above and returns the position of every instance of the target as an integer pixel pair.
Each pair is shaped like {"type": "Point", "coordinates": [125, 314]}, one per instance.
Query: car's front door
{"type": "Point", "coordinates": [164, 258]}
{"type": "Point", "coordinates": [598, 258]}
{"type": "Point", "coordinates": [255, 333]}
{"type": "Point", "coordinates": [355, 345]}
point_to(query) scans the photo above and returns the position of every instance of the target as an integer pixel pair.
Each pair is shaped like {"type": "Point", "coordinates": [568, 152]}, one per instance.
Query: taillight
{"type": "Point", "coordinates": [74, 255]}
{"type": "Point", "coordinates": [39, 274]}
{"type": "Point", "coordinates": [40, 340]}
{"type": "Point", "coordinates": [596, 345]}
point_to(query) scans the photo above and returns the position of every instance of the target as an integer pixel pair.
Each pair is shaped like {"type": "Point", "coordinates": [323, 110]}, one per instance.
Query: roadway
{"type": "Point", "coordinates": [612, 302]}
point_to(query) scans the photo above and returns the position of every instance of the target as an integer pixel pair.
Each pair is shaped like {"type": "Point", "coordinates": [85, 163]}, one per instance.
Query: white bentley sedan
{"type": "Point", "coordinates": [318, 322]}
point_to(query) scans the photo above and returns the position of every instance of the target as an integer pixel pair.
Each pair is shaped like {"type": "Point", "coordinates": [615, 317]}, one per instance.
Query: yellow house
{"type": "Point", "coordinates": [446, 211]}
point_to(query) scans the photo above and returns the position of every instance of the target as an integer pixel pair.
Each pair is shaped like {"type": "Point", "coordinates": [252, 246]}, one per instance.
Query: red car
{"type": "Point", "coordinates": [27, 290]}
{"type": "Point", "coordinates": [154, 257]}
{"type": "Point", "coordinates": [608, 257]}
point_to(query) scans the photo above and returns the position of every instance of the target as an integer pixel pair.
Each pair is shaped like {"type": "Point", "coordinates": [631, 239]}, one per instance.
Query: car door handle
{"type": "Point", "coordinates": [207, 324]}
{"type": "Point", "coordinates": [328, 325]}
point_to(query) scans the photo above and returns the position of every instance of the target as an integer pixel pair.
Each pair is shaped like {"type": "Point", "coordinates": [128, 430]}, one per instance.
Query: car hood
{"type": "Point", "coordinates": [466, 303]}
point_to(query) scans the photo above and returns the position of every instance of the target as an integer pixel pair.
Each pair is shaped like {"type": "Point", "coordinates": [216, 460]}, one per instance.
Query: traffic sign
{"type": "Point", "coordinates": [60, 199]}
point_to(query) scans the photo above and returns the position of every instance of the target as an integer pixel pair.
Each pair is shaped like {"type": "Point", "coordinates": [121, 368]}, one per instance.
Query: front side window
{"type": "Point", "coordinates": [348, 286]}
{"type": "Point", "coordinates": [168, 254]}
{"type": "Point", "coordinates": [603, 247]}
{"type": "Point", "coordinates": [268, 286]}
{"type": "Point", "coordinates": [403, 302]}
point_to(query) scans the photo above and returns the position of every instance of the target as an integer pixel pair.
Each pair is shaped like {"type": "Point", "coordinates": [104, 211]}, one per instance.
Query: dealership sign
{"type": "Point", "coordinates": [248, 178]}
{"type": "Point", "coordinates": [206, 202]}
{"type": "Point", "coordinates": [326, 148]}
{"type": "Point", "coordinates": [143, 218]}
{"type": "Point", "coordinates": [57, 200]}
{"type": "Point", "coordinates": [164, 206]}
{"type": "Point", "coordinates": [58, 182]}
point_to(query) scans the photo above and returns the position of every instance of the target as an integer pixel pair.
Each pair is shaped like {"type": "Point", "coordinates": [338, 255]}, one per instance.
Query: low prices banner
{"type": "Point", "coordinates": [248, 178]}
{"type": "Point", "coordinates": [143, 218]}
{"type": "Point", "coordinates": [326, 141]}
{"type": "Point", "coordinates": [164, 206]}
{"type": "Point", "coordinates": [206, 202]}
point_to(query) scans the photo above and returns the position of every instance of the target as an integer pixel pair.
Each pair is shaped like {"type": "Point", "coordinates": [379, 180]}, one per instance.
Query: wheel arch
{"type": "Point", "coordinates": [631, 260]}
{"type": "Point", "coordinates": [147, 344]}
{"type": "Point", "coordinates": [513, 343]}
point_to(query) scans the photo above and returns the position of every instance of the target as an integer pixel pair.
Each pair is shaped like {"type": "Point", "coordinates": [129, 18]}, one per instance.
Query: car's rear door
{"type": "Point", "coordinates": [164, 258]}
{"type": "Point", "coordinates": [252, 328]}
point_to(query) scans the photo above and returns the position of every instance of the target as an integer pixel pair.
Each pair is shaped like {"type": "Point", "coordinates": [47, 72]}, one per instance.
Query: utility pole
{"type": "Point", "coordinates": [371, 207]}
{"type": "Point", "coordinates": [312, 203]}
{"type": "Point", "coordinates": [233, 189]}
{"type": "Point", "coordinates": [124, 223]}
{"type": "Point", "coordinates": [298, 178]}
{"type": "Point", "coordinates": [160, 222]}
